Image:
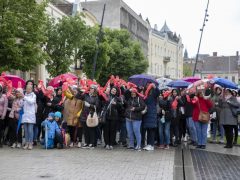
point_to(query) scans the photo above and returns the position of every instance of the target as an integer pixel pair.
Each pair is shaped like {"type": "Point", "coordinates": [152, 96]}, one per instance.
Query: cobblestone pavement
{"type": "Point", "coordinates": [215, 166]}
{"type": "Point", "coordinates": [86, 164]}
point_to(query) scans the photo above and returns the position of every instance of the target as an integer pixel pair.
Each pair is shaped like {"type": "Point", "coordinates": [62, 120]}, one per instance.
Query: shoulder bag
{"type": "Point", "coordinates": [203, 117]}
{"type": "Point", "coordinates": [92, 119]}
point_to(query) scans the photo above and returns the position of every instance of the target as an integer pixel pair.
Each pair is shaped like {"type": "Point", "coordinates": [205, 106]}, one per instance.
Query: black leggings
{"type": "Point", "coordinates": [229, 134]}
{"type": "Point", "coordinates": [89, 134]}
{"type": "Point", "coordinates": [1, 130]}
{"type": "Point", "coordinates": [182, 128]}
{"type": "Point", "coordinates": [236, 133]}
{"type": "Point", "coordinates": [109, 132]}
{"type": "Point", "coordinates": [13, 135]}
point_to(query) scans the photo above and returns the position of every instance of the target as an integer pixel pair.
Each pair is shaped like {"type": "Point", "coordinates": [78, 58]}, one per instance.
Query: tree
{"type": "Point", "coordinates": [88, 50]}
{"type": "Point", "coordinates": [126, 56]}
{"type": "Point", "coordinates": [22, 27]}
{"type": "Point", "coordinates": [65, 38]}
{"type": "Point", "coordinates": [187, 71]}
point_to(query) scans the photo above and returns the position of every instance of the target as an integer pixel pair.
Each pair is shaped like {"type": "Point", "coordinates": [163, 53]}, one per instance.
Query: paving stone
{"type": "Point", "coordinates": [83, 164]}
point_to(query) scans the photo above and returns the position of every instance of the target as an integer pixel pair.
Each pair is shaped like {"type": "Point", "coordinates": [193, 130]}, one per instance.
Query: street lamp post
{"type": "Point", "coordinates": [199, 45]}
{"type": "Point", "coordinates": [79, 63]}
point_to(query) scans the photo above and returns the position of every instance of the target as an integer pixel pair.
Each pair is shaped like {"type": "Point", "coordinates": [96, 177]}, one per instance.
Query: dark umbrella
{"type": "Point", "coordinates": [225, 83]}
{"type": "Point", "coordinates": [178, 84]}
{"type": "Point", "coordinates": [142, 80]}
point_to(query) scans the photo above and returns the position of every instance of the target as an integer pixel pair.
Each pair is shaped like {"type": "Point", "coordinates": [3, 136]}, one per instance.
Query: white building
{"type": "Point", "coordinates": [165, 53]}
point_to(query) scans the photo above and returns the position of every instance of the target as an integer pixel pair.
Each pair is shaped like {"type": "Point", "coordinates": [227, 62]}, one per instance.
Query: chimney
{"type": "Point", "coordinates": [214, 54]}
{"type": "Point", "coordinates": [237, 53]}
{"type": "Point", "coordinates": [155, 27]}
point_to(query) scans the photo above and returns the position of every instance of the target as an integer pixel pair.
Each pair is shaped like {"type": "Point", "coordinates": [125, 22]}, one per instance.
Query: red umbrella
{"type": "Point", "coordinates": [191, 79]}
{"type": "Point", "coordinates": [55, 82]}
{"type": "Point", "coordinates": [17, 82]}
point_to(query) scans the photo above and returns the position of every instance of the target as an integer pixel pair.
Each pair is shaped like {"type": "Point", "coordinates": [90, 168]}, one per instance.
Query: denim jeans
{"type": "Point", "coordinates": [192, 129]}
{"type": "Point", "coordinates": [201, 132]}
{"type": "Point", "coordinates": [164, 132]}
{"type": "Point", "coordinates": [28, 132]}
{"type": "Point", "coordinates": [133, 129]}
{"type": "Point", "coordinates": [214, 131]}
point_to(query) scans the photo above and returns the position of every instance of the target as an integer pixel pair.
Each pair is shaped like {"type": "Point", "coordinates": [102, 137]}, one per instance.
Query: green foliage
{"type": "Point", "coordinates": [126, 56]}
{"type": "Point", "coordinates": [187, 71]}
{"type": "Point", "coordinates": [88, 50]}
{"type": "Point", "coordinates": [22, 34]}
{"type": "Point", "coordinates": [65, 38]}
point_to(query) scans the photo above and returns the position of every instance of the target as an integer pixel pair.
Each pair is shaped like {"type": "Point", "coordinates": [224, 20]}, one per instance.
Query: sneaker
{"type": "Point", "coordinates": [30, 147]}
{"type": "Point", "coordinates": [99, 142]}
{"type": "Point", "coordinates": [107, 147]}
{"type": "Point", "coordinates": [19, 145]}
{"type": "Point", "coordinates": [130, 148]}
{"type": "Point", "coordinates": [25, 146]}
{"type": "Point", "coordinates": [166, 147]}
{"type": "Point", "coordinates": [221, 141]}
{"type": "Point", "coordinates": [227, 146]}
{"type": "Point", "coordinates": [14, 145]}
{"type": "Point", "coordinates": [71, 145]}
{"type": "Point", "coordinates": [146, 147]}
{"type": "Point", "coordinates": [79, 144]}
{"type": "Point", "coordinates": [138, 148]}
{"type": "Point", "coordinates": [110, 147]}
{"type": "Point", "coordinates": [161, 147]}
{"type": "Point", "coordinates": [34, 143]}
{"type": "Point", "coordinates": [149, 148]}
{"type": "Point", "coordinates": [85, 146]}
{"type": "Point", "coordinates": [198, 146]}
{"type": "Point", "coordinates": [185, 139]}
{"type": "Point", "coordinates": [91, 146]}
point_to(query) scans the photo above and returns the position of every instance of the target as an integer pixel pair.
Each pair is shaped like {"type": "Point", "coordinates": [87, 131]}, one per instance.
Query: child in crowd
{"type": "Point", "coordinates": [51, 131]}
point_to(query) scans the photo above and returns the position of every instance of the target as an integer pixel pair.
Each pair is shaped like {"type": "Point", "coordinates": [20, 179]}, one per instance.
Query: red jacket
{"type": "Point", "coordinates": [205, 105]}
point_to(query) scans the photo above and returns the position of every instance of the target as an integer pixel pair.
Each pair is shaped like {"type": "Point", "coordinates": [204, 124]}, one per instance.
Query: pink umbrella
{"type": "Point", "coordinates": [191, 79]}
{"type": "Point", "coordinates": [55, 82]}
{"type": "Point", "coordinates": [17, 82]}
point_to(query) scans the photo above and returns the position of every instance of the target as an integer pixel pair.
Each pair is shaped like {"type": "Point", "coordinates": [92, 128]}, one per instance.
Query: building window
{"type": "Point", "coordinates": [233, 79]}
{"type": "Point", "coordinates": [226, 77]}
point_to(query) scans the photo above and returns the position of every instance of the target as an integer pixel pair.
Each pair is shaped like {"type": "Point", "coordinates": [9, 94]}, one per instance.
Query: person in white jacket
{"type": "Point", "coordinates": [29, 116]}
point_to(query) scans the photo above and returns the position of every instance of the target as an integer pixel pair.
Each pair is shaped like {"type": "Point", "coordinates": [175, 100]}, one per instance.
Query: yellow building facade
{"type": "Point", "coordinates": [165, 53]}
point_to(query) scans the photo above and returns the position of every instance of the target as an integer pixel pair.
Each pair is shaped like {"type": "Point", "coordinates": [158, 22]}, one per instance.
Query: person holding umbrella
{"type": "Point", "coordinates": [227, 103]}
{"type": "Point", "coordinates": [200, 106]}
{"type": "Point", "coordinates": [150, 118]}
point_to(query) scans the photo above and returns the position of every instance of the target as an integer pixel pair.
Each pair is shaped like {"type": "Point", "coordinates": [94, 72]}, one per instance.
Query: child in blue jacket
{"type": "Point", "coordinates": [51, 129]}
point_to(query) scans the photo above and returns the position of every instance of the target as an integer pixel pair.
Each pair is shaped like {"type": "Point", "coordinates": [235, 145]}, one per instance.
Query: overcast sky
{"type": "Point", "coordinates": [185, 17]}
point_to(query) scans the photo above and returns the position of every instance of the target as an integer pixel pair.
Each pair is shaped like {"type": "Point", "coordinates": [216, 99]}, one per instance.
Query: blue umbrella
{"type": "Point", "coordinates": [142, 79]}
{"type": "Point", "coordinates": [225, 83]}
{"type": "Point", "coordinates": [20, 119]}
{"type": "Point", "coordinates": [178, 84]}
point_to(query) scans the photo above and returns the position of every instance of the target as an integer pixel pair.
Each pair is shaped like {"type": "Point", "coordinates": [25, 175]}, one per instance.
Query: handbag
{"type": "Point", "coordinates": [103, 114]}
{"type": "Point", "coordinates": [92, 119]}
{"type": "Point", "coordinates": [203, 117]}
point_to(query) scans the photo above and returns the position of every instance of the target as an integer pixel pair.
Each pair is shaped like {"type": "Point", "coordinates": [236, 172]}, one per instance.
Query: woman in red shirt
{"type": "Point", "coordinates": [200, 103]}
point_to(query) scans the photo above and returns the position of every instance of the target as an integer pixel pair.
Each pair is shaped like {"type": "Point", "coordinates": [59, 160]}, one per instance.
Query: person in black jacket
{"type": "Point", "coordinates": [164, 120]}
{"type": "Point", "coordinates": [134, 107]}
{"type": "Point", "coordinates": [91, 103]}
{"type": "Point", "coordinates": [112, 116]}
{"type": "Point", "coordinates": [188, 114]}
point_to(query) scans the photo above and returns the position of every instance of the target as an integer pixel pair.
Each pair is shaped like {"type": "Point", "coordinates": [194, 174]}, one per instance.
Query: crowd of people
{"type": "Point", "coordinates": [138, 118]}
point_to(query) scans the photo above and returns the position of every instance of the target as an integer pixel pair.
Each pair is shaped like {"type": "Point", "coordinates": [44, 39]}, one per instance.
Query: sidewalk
{"type": "Point", "coordinates": [86, 164]}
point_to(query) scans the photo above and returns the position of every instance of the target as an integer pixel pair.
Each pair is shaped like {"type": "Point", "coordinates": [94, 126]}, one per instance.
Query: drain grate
{"type": "Point", "coordinates": [212, 166]}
